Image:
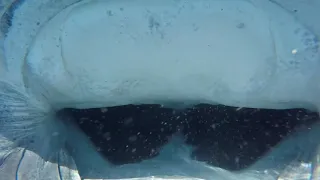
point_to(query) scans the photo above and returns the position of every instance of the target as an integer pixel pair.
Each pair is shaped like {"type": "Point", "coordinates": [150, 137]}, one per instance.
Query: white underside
{"type": "Point", "coordinates": [106, 53]}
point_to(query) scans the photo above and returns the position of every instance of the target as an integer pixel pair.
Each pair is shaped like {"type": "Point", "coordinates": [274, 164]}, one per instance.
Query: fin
{"type": "Point", "coordinates": [32, 144]}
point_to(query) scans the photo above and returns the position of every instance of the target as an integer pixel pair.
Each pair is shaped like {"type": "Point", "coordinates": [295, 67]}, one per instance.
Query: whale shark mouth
{"type": "Point", "coordinates": [132, 137]}
{"type": "Point", "coordinates": [212, 89]}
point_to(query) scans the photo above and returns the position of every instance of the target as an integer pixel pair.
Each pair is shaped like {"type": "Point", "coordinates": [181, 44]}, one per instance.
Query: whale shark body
{"type": "Point", "coordinates": [60, 59]}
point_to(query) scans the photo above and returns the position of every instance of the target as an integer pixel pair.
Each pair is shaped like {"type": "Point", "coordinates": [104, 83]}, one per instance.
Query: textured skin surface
{"type": "Point", "coordinates": [151, 56]}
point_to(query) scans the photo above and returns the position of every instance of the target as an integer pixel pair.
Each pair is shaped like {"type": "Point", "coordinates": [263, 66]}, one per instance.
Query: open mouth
{"type": "Point", "coordinates": [144, 140]}
{"type": "Point", "coordinates": [211, 89]}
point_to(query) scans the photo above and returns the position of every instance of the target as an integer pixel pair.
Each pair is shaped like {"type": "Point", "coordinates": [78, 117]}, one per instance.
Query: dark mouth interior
{"type": "Point", "coordinates": [227, 137]}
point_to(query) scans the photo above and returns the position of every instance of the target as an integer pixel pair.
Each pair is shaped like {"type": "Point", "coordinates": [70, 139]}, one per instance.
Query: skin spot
{"type": "Point", "coordinates": [155, 27]}
{"type": "Point", "coordinates": [195, 27]}
{"type": "Point", "coordinates": [240, 25]}
{"type": "Point", "coordinates": [109, 13]}
{"type": "Point", "coordinates": [153, 24]}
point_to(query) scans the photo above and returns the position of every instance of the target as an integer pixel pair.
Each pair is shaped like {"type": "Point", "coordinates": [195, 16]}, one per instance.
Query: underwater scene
{"type": "Point", "coordinates": [159, 90]}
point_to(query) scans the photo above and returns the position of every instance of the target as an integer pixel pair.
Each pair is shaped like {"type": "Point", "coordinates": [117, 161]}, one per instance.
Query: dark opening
{"type": "Point", "coordinates": [228, 137]}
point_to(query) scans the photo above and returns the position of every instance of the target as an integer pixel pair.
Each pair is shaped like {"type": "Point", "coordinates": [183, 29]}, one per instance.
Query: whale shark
{"type": "Point", "coordinates": [62, 59]}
